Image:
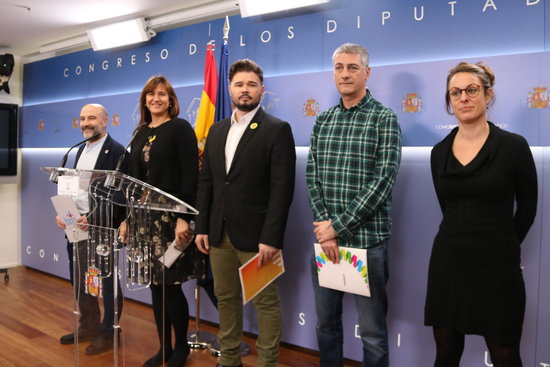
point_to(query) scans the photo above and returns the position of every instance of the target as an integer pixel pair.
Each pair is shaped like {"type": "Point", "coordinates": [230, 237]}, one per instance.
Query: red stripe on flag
{"type": "Point", "coordinates": [210, 75]}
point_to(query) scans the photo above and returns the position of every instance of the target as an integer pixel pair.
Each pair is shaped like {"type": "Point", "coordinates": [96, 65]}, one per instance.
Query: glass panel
{"type": "Point", "coordinates": [106, 259]}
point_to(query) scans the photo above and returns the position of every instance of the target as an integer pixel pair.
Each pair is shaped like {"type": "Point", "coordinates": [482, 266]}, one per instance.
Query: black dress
{"type": "Point", "coordinates": [475, 283]}
{"type": "Point", "coordinates": [167, 158]}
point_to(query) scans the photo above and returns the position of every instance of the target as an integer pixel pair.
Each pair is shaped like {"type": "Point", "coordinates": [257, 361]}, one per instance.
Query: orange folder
{"type": "Point", "coordinates": [254, 279]}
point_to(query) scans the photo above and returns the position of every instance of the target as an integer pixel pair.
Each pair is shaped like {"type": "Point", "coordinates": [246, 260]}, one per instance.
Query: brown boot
{"type": "Point", "coordinates": [103, 343]}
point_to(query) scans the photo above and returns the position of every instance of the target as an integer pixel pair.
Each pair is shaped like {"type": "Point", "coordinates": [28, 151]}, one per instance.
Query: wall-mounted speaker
{"type": "Point", "coordinates": [6, 68]}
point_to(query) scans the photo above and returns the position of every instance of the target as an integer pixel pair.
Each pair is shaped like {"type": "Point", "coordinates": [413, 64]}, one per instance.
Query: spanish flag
{"type": "Point", "coordinates": [207, 108]}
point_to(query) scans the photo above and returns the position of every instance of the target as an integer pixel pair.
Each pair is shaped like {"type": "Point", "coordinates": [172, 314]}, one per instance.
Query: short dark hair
{"type": "Point", "coordinates": [246, 65]}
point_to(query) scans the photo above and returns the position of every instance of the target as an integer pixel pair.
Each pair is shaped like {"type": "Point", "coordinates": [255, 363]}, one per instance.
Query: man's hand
{"type": "Point", "coordinates": [323, 231]}
{"type": "Point", "coordinates": [60, 223]}
{"type": "Point", "coordinates": [201, 240]}
{"type": "Point", "coordinates": [330, 248]}
{"type": "Point", "coordinates": [82, 223]}
{"type": "Point", "coordinates": [266, 253]}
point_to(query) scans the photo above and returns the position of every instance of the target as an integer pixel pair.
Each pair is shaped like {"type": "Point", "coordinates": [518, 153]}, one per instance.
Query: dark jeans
{"type": "Point", "coordinates": [88, 305]}
{"type": "Point", "coordinates": [371, 311]}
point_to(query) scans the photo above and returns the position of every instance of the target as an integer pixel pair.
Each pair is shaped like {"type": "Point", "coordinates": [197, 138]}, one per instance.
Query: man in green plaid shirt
{"type": "Point", "coordinates": [353, 161]}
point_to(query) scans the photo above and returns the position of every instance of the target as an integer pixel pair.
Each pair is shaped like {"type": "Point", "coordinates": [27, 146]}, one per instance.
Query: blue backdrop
{"type": "Point", "coordinates": [412, 47]}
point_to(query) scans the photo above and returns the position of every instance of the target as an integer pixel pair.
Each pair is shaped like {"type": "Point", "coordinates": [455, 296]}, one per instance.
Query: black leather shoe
{"type": "Point", "coordinates": [223, 365]}
{"type": "Point", "coordinates": [178, 358]}
{"type": "Point", "coordinates": [84, 335]}
{"type": "Point", "coordinates": [101, 344]}
{"type": "Point", "coordinates": [156, 360]}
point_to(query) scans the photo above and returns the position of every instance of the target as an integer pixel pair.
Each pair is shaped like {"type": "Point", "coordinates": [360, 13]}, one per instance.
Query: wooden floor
{"type": "Point", "coordinates": [35, 310]}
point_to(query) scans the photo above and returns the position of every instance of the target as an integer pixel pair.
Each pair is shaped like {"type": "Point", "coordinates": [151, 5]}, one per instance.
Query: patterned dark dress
{"type": "Point", "coordinates": [166, 157]}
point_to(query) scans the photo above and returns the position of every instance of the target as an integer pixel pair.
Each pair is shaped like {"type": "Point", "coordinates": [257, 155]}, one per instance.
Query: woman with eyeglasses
{"type": "Point", "coordinates": [486, 183]}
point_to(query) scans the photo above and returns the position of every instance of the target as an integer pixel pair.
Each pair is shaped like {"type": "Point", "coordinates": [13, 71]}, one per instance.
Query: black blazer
{"type": "Point", "coordinates": [252, 200]}
{"type": "Point", "coordinates": [107, 160]}
{"type": "Point", "coordinates": [108, 157]}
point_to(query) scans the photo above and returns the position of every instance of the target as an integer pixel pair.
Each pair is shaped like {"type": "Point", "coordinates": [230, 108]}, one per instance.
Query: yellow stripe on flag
{"type": "Point", "coordinates": [205, 119]}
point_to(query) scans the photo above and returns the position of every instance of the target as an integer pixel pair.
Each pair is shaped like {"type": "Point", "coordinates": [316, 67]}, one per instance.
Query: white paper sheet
{"type": "Point", "coordinates": [350, 275]}
{"type": "Point", "coordinates": [65, 208]}
{"type": "Point", "coordinates": [170, 255]}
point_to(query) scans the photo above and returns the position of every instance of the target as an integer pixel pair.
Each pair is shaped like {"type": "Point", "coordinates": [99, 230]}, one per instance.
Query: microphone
{"type": "Point", "coordinates": [113, 179]}
{"type": "Point", "coordinates": [122, 156]}
{"type": "Point", "coordinates": [55, 173]}
{"type": "Point", "coordinates": [66, 156]}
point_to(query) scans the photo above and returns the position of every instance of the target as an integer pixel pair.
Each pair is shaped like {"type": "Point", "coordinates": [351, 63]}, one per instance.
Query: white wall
{"type": "Point", "coordinates": [10, 187]}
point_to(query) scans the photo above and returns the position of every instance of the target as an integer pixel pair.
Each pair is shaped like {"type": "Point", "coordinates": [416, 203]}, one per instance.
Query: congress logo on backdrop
{"type": "Point", "coordinates": [539, 98]}
{"type": "Point", "coordinates": [193, 110]}
{"type": "Point", "coordinates": [311, 108]}
{"type": "Point", "coordinates": [270, 101]}
{"type": "Point", "coordinates": [116, 119]}
{"type": "Point", "coordinates": [75, 122]}
{"type": "Point", "coordinates": [136, 114]}
{"type": "Point", "coordinates": [412, 103]}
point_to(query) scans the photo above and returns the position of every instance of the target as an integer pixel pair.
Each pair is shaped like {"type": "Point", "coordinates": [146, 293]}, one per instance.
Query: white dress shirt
{"type": "Point", "coordinates": [87, 161]}
{"type": "Point", "coordinates": [235, 134]}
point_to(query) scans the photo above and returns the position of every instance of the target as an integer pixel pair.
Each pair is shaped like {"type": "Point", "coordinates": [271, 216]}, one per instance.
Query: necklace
{"type": "Point", "coordinates": [151, 138]}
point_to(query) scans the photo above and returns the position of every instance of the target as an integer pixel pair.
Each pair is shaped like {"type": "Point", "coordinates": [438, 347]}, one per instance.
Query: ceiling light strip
{"type": "Point", "coordinates": [212, 10]}
{"type": "Point", "coordinates": [66, 44]}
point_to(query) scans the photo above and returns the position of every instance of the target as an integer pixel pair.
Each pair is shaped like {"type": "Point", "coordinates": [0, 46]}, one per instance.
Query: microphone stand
{"type": "Point", "coordinates": [113, 180]}
{"type": "Point", "coordinates": [55, 174]}
{"type": "Point", "coordinates": [66, 156]}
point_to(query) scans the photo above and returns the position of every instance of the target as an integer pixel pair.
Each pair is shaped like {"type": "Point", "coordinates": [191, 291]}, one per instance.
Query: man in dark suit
{"type": "Point", "coordinates": [99, 153]}
{"type": "Point", "coordinates": [245, 190]}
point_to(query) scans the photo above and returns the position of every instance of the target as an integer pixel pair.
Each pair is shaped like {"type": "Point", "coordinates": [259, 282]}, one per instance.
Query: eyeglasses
{"type": "Point", "coordinates": [472, 91]}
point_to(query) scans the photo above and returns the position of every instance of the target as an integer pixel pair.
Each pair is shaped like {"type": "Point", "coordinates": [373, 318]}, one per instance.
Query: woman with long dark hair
{"type": "Point", "coordinates": [164, 154]}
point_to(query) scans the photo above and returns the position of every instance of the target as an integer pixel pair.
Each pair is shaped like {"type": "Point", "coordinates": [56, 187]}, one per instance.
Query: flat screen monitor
{"type": "Point", "coordinates": [8, 139]}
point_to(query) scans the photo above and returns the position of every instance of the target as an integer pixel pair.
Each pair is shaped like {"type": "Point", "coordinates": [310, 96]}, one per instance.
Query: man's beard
{"type": "Point", "coordinates": [246, 106]}
{"type": "Point", "coordinates": [89, 132]}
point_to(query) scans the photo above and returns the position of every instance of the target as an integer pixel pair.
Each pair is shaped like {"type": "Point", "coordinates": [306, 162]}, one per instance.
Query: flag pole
{"type": "Point", "coordinates": [226, 29]}
{"type": "Point", "coordinates": [223, 110]}
{"type": "Point", "coordinates": [205, 119]}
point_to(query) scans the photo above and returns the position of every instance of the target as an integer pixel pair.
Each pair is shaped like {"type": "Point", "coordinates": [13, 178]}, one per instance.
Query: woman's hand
{"type": "Point", "coordinates": [183, 234]}
{"type": "Point", "coordinates": [122, 232]}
